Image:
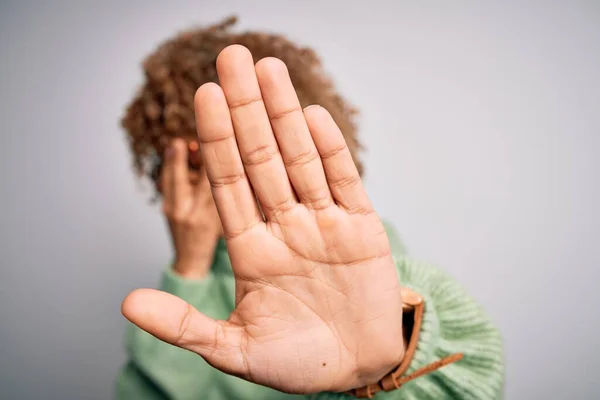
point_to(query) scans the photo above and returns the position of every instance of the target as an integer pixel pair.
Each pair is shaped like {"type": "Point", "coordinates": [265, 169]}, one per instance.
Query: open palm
{"type": "Point", "coordinates": [318, 303]}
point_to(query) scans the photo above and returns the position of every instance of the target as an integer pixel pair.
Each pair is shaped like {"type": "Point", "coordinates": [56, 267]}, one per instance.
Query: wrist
{"type": "Point", "coordinates": [413, 310]}
{"type": "Point", "coordinates": [379, 364]}
{"type": "Point", "coordinates": [191, 271]}
{"type": "Point", "coordinates": [194, 266]}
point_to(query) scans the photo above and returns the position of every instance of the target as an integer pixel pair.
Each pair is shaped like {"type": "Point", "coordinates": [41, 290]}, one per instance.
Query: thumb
{"type": "Point", "coordinates": [176, 322]}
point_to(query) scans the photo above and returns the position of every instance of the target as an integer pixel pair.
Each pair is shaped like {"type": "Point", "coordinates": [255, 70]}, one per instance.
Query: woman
{"type": "Point", "coordinates": [294, 288]}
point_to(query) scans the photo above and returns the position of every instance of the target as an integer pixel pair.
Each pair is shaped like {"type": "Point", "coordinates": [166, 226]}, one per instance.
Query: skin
{"type": "Point", "coordinates": [190, 212]}
{"type": "Point", "coordinates": [318, 299]}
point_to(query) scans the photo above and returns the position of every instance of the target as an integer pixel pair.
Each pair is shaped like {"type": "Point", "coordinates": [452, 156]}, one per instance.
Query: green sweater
{"type": "Point", "coordinates": [452, 323]}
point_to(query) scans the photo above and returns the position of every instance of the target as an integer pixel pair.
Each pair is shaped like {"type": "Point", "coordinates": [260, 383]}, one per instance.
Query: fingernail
{"type": "Point", "coordinates": [316, 106]}
{"type": "Point", "coordinates": [169, 152]}
{"type": "Point", "coordinates": [193, 146]}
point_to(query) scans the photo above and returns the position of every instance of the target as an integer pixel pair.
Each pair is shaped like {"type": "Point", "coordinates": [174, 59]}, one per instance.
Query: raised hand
{"type": "Point", "coordinates": [318, 300]}
{"type": "Point", "coordinates": [190, 211]}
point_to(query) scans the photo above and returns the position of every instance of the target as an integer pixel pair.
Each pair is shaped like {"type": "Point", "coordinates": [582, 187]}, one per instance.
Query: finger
{"type": "Point", "coordinates": [230, 187]}
{"type": "Point", "coordinates": [342, 176]}
{"type": "Point", "coordinates": [258, 147]}
{"type": "Point", "coordinates": [171, 176]}
{"type": "Point", "coordinates": [203, 199]}
{"type": "Point", "coordinates": [202, 187]}
{"type": "Point", "coordinates": [297, 148]}
{"type": "Point", "coordinates": [195, 160]}
{"type": "Point", "coordinates": [180, 181]}
{"type": "Point", "coordinates": [174, 321]}
{"type": "Point", "coordinates": [166, 175]}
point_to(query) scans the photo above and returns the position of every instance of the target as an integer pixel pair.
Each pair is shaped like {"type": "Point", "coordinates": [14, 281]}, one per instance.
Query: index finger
{"type": "Point", "coordinates": [174, 177]}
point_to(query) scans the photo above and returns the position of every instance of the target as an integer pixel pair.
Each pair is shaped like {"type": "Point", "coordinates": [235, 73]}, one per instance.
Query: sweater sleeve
{"type": "Point", "coordinates": [157, 370]}
{"type": "Point", "coordinates": [452, 323]}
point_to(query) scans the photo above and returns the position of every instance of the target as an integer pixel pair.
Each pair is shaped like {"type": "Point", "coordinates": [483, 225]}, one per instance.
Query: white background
{"type": "Point", "coordinates": [482, 128]}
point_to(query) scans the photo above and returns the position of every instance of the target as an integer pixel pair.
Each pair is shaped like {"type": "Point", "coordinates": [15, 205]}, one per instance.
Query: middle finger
{"type": "Point", "coordinates": [258, 147]}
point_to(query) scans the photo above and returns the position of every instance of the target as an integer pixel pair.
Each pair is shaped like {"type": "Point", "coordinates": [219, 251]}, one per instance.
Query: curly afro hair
{"type": "Point", "coordinates": [163, 108]}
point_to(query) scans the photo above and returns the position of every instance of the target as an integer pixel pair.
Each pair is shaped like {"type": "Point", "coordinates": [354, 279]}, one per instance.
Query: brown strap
{"type": "Point", "coordinates": [429, 368]}
{"type": "Point", "coordinates": [411, 303]}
